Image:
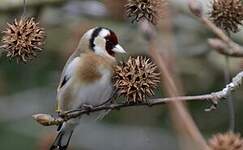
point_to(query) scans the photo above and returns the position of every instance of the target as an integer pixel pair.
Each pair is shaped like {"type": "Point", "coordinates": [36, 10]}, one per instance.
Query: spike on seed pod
{"type": "Point", "coordinates": [23, 39]}
{"type": "Point", "coordinates": [227, 141]}
{"type": "Point", "coordinates": [227, 14]}
{"type": "Point", "coordinates": [151, 10]}
{"type": "Point", "coordinates": [136, 79]}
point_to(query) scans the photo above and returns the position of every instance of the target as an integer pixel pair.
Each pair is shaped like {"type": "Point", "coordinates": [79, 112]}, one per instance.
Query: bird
{"type": "Point", "coordinates": [86, 78]}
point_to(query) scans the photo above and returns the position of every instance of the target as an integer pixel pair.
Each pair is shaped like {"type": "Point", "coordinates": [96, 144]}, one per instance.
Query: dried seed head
{"type": "Point", "coordinates": [136, 79]}
{"type": "Point", "coordinates": [151, 10]}
{"type": "Point", "coordinates": [23, 39]}
{"type": "Point", "coordinates": [227, 141]}
{"type": "Point", "coordinates": [227, 14]}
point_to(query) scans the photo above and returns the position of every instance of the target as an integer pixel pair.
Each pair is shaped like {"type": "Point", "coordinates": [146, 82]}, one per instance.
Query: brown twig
{"type": "Point", "coordinates": [225, 45]}
{"type": "Point", "coordinates": [181, 118]}
{"type": "Point", "coordinates": [224, 49]}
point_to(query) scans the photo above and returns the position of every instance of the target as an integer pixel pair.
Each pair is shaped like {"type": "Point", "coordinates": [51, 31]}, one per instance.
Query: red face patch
{"type": "Point", "coordinates": [111, 42]}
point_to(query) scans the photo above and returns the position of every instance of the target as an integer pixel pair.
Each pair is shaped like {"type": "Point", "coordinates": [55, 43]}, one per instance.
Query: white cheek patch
{"type": "Point", "coordinates": [99, 47]}
{"type": "Point", "coordinates": [99, 42]}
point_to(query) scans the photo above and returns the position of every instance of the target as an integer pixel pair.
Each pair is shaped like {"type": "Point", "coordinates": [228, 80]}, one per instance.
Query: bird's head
{"type": "Point", "coordinates": [101, 41]}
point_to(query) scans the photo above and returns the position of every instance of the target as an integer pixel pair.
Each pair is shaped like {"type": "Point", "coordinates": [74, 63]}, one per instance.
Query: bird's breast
{"type": "Point", "coordinates": [94, 93]}
{"type": "Point", "coordinates": [91, 83]}
{"type": "Point", "coordinates": [93, 68]}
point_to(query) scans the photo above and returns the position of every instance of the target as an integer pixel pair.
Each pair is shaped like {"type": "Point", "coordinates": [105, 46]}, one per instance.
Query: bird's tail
{"type": "Point", "coordinates": [62, 140]}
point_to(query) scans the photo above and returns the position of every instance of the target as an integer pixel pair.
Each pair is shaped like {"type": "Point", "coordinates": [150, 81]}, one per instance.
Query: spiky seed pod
{"type": "Point", "coordinates": [136, 79]}
{"type": "Point", "coordinates": [151, 10]}
{"type": "Point", "coordinates": [227, 141]}
{"type": "Point", "coordinates": [227, 14]}
{"type": "Point", "coordinates": [23, 39]}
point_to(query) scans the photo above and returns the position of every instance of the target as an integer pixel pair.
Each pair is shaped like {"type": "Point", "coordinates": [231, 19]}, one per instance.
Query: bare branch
{"type": "Point", "coordinates": [222, 48]}
{"type": "Point", "coordinates": [214, 97]}
{"type": "Point", "coordinates": [230, 48]}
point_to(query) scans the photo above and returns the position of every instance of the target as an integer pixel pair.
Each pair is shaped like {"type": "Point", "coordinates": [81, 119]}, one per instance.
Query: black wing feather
{"type": "Point", "coordinates": [64, 81]}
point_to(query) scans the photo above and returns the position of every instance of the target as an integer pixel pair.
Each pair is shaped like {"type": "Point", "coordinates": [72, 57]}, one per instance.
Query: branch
{"type": "Point", "coordinates": [224, 45]}
{"type": "Point", "coordinates": [221, 47]}
{"type": "Point", "coordinates": [48, 120]}
{"type": "Point", "coordinates": [186, 129]}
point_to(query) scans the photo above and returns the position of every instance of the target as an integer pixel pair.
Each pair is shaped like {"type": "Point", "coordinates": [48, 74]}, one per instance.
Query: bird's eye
{"type": "Point", "coordinates": [111, 42]}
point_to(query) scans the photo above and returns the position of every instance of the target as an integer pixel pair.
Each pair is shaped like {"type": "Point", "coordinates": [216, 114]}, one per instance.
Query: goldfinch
{"type": "Point", "coordinates": [86, 78]}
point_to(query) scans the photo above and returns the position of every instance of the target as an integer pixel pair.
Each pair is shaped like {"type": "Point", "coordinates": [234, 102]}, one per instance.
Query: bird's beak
{"type": "Point", "coordinates": [118, 49]}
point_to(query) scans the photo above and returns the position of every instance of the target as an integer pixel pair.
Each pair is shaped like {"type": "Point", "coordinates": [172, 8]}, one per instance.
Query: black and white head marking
{"type": "Point", "coordinates": [103, 41]}
{"type": "Point", "coordinates": [95, 33]}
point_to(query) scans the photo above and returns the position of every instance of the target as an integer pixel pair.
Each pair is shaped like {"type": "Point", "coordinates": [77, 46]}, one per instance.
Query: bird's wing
{"type": "Point", "coordinates": [67, 69]}
{"type": "Point", "coordinates": [67, 73]}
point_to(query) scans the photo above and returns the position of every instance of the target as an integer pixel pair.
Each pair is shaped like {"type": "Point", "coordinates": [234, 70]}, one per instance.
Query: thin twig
{"type": "Point", "coordinates": [230, 100]}
{"type": "Point", "coordinates": [221, 47]}
{"type": "Point", "coordinates": [232, 49]}
{"type": "Point", "coordinates": [228, 46]}
{"type": "Point", "coordinates": [224, 45]}
{"type": "Point", "coordinates": [214, 97]}
{"type": "Point", "coordinates": [182, 121]}
{"type": "Point", "coordinates": [24, 8]}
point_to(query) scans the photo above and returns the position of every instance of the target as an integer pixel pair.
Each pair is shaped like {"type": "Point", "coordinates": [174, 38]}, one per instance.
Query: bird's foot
{"type": "Point", "coordinates": [87, 107]}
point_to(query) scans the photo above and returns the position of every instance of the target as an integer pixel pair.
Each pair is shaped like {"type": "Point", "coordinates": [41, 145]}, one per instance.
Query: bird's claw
{"type": "Point", "coordinates": [87, 107]}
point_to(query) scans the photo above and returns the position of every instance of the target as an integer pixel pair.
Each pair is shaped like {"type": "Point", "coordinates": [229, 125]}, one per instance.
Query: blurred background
{"type": "Point", "coordinates": [26, 89]}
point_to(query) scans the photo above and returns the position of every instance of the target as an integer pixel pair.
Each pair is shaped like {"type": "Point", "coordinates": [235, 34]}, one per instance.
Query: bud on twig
{"type": "Point", "coordinates": [217, 44]}
{"type": "Point", "coordinates": [46, 119]}
{"type": "Point", "coordinates": [195, 7]}
{"type": "Point", "coordinates": [231, 49]}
